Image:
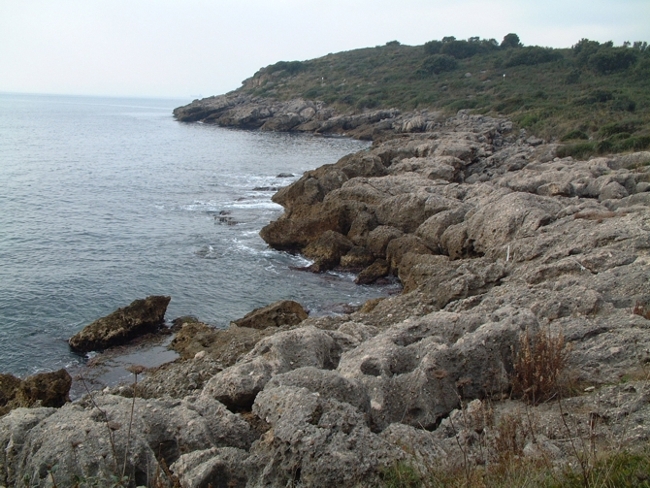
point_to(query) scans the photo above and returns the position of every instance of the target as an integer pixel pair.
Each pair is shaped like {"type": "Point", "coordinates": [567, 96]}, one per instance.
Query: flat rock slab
{"type": "Point", "coordinates": [140, 317]}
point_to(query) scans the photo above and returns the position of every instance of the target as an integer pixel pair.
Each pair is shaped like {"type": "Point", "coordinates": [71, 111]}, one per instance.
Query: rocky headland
{"type": "Point", "coordinates": [523, 326]}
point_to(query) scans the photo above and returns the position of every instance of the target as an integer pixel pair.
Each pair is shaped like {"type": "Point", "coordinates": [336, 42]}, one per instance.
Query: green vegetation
{"type": "Point", "coordinates": [572, 95]}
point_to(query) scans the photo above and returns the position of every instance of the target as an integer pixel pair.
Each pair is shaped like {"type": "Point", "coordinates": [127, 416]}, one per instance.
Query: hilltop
{"type": "Point", "coordinates": [592, 97]}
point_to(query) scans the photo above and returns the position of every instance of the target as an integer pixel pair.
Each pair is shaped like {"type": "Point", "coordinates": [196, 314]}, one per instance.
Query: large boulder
{"type": "Point", "coordinates": [140, 317]}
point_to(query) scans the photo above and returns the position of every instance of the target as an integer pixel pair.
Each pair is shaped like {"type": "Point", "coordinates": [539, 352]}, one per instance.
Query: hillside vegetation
{"type": "Point", "coordinates": [594, 97]}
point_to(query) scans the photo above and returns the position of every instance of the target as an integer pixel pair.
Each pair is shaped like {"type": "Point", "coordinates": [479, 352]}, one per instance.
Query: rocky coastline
{"type": "Point", "coordinates": [500, 246]}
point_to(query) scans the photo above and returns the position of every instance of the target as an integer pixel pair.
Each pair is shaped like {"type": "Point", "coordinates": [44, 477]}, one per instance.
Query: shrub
{"type": "Point", "coordinates": [573, 77]}
{"type": "Point", "coordinates": [510, 40]}
{"type": "Point", "coordinates": [580, 150]}
{"type": "Point", "coordinates": [539, 365]}
{"type": "Point", "coordinates": [584, 49]}
{"type": "Point", "coordinates": [466, 49]}
{"type": "Point", "coordinates": [436, 64]}
{"type": "Point", "coordinates": [458, 49]}
{"type": "Point", "coordinates": [624, 103]}
{"type": "Point", "coordinates": [432, 47]}
{"type": "Point", "coordinates": [596, 96]}
{"type": "Point", "coordinates": [574, 134]}
{"type": "Point", "coordinates": [532, 55]}
{"type": "Point", "coordinates": [612, 128]}
{"type": "Point", "coordinates": [612, 60]}
{"type": "Point", "coordinates": [290, 67]}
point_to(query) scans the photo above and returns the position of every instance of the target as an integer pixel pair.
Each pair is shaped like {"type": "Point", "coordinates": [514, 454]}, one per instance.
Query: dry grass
{"type": "Point", "coordinates": [539, 366]}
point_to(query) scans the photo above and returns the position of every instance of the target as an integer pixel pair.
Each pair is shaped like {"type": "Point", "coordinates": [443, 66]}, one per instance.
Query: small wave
{"type": "Point", "coordinates": [207, 252]}
{"type": "Point", "coordinates": [266, 204]}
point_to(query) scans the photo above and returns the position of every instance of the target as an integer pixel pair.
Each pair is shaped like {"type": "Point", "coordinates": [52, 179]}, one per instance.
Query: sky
{"type": "Point", "coordinates": [196, 48]}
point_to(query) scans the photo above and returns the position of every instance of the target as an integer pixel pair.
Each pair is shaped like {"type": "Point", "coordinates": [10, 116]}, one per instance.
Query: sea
{"type": "Point", "coordinates": [106, 200]}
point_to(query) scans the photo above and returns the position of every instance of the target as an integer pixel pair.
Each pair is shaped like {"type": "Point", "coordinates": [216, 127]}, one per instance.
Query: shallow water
{"type": "Point", "coordinates": [105, 200]}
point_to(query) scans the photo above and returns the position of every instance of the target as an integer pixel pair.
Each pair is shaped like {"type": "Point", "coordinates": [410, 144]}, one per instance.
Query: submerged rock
{"type": "Point", "coordinates": [140, 317]}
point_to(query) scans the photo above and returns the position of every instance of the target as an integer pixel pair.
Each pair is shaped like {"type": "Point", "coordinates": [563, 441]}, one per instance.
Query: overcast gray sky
{"type": "Point", "coordinates": [191, 48]}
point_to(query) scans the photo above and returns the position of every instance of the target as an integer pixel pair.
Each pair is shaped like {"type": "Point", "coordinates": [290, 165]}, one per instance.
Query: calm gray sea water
{"type": "Point", "coordinates": [105, 200]}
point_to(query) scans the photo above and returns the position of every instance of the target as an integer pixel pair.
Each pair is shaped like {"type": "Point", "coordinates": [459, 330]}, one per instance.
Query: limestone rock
{"type": "Point", "coordinates": [238, 385]}
{"type": "Point", "coordinates": [317, 441]}
{"type": "Point", "coordinates": [91, 439]}
{"type": "Point", "coordinates": [140, 317]}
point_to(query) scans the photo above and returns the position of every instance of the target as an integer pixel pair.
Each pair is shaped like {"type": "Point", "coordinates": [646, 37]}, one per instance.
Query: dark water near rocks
{"type": "Point", "coordinates": [104, 200]}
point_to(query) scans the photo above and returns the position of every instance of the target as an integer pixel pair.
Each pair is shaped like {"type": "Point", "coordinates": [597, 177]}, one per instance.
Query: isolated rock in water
{"type": "Point", "coordinates": [141, 317]}
{"type": "Point", "coordinates": [40, 390]}
{"type": "Point", "coordinates": [284, 312]}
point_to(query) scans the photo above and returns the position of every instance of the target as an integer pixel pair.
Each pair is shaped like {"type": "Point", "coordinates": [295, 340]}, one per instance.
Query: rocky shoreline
{"type": "Point", "coordinates": [500, 246]}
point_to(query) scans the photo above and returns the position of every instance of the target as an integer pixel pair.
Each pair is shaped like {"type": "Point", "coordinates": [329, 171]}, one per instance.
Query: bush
{"type": "Point", "coordinates": [532, 55]}
{"type": "Point", "coordinates": [624, 104]}
{"type": "Point", "coordinates": [574, 134]}
{"type": "Point", "coordinates": [573, 77]}
{"type": "Point", "coordinates": [584, 49]}
{"type": "Point", "coordinates": [612, 60]}
{"type": "Point", "coordinates": [290, 67]}
{"type": "Point", "coordinates": [581, 150]}
{"type": "Point", "coordinates": [612, 128]}
{"type": "Point", "coordinates": [432, 47]}
{"type": "Point", "coordinates": [596, 96]}
{"type": "Point", "coordinates": [510, 40]}
{"type": "Point", "coordinates": [436, 64]}
{"type": "Point", "coordinates": [466, 49]}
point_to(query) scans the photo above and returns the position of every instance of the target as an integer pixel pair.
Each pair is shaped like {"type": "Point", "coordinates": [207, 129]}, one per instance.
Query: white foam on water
{"type": "Point", "coordinates": [244, 204]}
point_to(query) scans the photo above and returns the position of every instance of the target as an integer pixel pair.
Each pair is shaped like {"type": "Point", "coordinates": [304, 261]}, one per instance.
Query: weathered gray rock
{"type": "Point", "coordinates": [238, 385]}
{"type": "Point", "coordinates": [328, 384]}
{"type": "Point", "coordinates": [317, 441]}
{"type": "Point", "coordinates": [140, 317]}
{"type": "Point", "coordinates": [101, 439]}
{"type": "Point", "coordinates": [416, 372]}
{"type": "Point", "coordinates": [223, 466]}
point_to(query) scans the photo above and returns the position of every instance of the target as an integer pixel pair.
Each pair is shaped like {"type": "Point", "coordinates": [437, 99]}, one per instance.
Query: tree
{"type": "Point", "coordinates": [511, 40]}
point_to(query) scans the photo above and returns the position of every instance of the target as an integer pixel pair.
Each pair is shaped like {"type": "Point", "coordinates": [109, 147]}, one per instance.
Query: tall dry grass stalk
{"type": "Point", "coordinates": [539, 365]}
